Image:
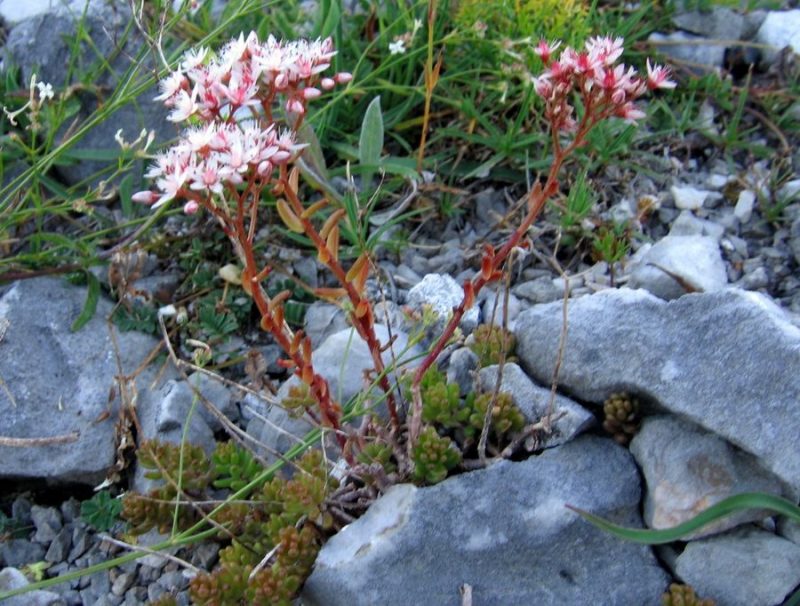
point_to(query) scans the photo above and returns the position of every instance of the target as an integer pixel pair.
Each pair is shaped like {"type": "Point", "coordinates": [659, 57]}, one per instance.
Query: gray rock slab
{"type": "Point", "coordinates": [322, 320]}
{"type": "Point", "coordinates": [494, 305]}
{"type": "Point", "coordinates": [461, 369]}
{"type": "Point", "coordinates": [47, 521]}
{"type": "Point", "coordinates": [442, 293]}
{"type": "Point", "coordinates": [59, 381]}
{"type": "Point", "coordinates": [60, 546]}
{"type": "Point", "coordinates": [721, 360]}
{"type": "Point", "coordinates": [747, 567]}
{"type": "Point", "coordinates": [504, 531]}
{"type": "Point", "coordinates": [11, 578]}
{"type": "Point", "coordinates": [20, 552]}
{"type": "Point", "coordinates": [780, 29]}
{"type": "Point", "coordinates": [703, 53]}
{"type": "Point", "coordinates": [115, 45]}
{"type": "Point", "coordinates": [342, 360]}
{"type": "Point", "coordinates": [677, 264]}
{"type": "Point", "coordinates": [540, 290]}
{"type": "Point", "coordinates": [688, 469]}
{"type": "Point", "coordinates": [720, 23]}
{"type": "Point", "coordinates": [13, 11]}
{"type": "Point", "coordinates": [533, 400]}
{"type": "Point", "coordinates": [217, 395]}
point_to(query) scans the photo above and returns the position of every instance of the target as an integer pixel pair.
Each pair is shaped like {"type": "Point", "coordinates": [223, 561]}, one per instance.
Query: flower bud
{"type": "Point", "coordinates": [311, 93]}
{"type": "Point", "coordinates": [295, 106]}
{"type": "Point", "coordinates": [327, 83]}
{"type": "Point", "coordinates": [145, 197]}
{"type": "Point", "coordinates": [343, 77]}
{"type": "Point", "coordinates": [279, 157]}
{"type": "Point", "coordinates": [191, 207]}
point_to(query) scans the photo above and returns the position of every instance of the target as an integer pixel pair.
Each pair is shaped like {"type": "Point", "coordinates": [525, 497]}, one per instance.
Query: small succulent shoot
{"type": "Point", "coordinates": [506, 416]}
{"type": "Point", "coordinates": [492, 343]}
{"type": "Point", "coordinates": [161, 506]}
{"type": "Point", "coordinates": [298, 400]}
{"type": "Point", "coordinates": [434, 457]}
{"type": "Point", "coordinates": [442, 403]}
{"type": "Point", "coordinates": [622, 417]}
{"type": "Point", "coordinates": [380, 454]}
{"type": "Point", "coordinates": [235, 467]}
{"type": "Point", "coordinates": [683, 595]}
{"type": "Point", "coordinates": [286, 518]}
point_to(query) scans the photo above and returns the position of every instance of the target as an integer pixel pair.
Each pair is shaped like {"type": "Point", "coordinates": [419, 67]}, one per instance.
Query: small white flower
{"type": "Point", "coordinates": [45, 91]}
{"type": "Point", "coordinates": [193, 58]}
{"type": "Point", "coordinates": [398, 47]}
{"type": "Point", "coordinates": [171, 85]}
{"type": "Point", "coordinates": [121, 140]}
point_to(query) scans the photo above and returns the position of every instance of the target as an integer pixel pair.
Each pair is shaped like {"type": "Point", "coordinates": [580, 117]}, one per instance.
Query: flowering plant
{"type": "Point", "coordinates": [234, 151]}
{"type": "Point", "coordinates": [606, 89]}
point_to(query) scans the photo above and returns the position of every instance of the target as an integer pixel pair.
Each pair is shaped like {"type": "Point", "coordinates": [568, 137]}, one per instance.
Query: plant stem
{"type": "Point", "coordinates": [537, 197]}
{"type": "Point", "coordinates": [364, 323]}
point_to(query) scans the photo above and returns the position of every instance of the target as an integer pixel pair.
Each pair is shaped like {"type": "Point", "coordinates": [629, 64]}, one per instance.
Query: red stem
{"type": "Point", "coordinates": [537, 197]}
{"type": "Point", "coordinates": [364, 325]}
{"type": "Point", "coordinates": [243, 243]}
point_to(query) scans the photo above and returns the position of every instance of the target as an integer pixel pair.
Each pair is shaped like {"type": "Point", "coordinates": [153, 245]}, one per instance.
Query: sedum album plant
{"type": "Point", "coordinates": [236, 151]}
{"type": "Point", "coordinates": [603, 89]}
{"type": "Point", "coordinates": [238, 159]}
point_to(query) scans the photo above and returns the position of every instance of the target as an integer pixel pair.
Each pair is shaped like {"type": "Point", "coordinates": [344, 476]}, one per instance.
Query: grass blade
{"type": "Point", "coordinates": [747, 500]}
{"type": "Point", "coordinates": [90, 306]}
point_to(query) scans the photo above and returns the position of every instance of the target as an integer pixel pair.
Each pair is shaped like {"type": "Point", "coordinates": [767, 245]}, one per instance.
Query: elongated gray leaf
{"type": "Point", "coordinates": [370, 142]}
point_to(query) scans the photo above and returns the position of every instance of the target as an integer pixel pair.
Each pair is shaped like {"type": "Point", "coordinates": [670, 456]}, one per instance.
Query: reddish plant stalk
{"type": "Point", "coordinates": [271, 313]}
{"type": "Point", "coordinates": [361, 316]}
{"type": "Point", "coordinates": [492, 261]}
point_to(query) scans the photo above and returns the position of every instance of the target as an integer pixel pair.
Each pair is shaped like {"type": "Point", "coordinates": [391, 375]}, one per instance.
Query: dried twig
{"type": "Point", "coordinates": [139, 548]}
{"type": "Point", "coordinates": [27, 442]}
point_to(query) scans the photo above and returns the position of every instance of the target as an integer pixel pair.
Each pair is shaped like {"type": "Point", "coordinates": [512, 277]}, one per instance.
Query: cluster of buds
{"type": "Point", "coordinates": [230, 98]}
{"type": "Point", "coordinates": [606, 87]}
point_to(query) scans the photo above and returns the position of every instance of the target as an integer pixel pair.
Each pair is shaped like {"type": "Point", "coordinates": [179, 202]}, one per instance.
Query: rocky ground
{"type": "Point", "coordinates": [699, 324]}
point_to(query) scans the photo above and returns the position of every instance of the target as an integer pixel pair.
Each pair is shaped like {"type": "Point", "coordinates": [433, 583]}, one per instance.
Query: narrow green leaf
{"type": "Point", "coordinates": [125, 192]}
{"type": "Point", "coordinates": [370, 141]}
{"type": "Point", "coordinates": [331, 21]}
{"type": "Point", "coordinates": [402, 167]}
{"type": "Point", "coordinates": [747, 500]}
{"type": "Point", "coordinates": [100, 155]}
{"type": "Point", "coordinates": [90, 306]}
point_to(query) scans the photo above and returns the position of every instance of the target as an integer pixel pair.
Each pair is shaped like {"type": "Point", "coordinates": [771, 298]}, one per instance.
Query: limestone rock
{"type": "Point", "coordinates": [571, 419]}
{"type": "Point", "coordinates": [718, 359]}
{"type": "Point", "coordinates": [749, 567]}
{"type": "Point", "coordinates": [676, 265]}
{"type": "Point", "coordinates": [504, 531]}
{"type": "Point", "coordinates": [688, 470]}
{"type": "Point", "coordinates": [59, 381]}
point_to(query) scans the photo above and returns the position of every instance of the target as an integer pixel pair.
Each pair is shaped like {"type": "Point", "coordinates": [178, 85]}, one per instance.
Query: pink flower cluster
{"type": "Point", "coordinates": [607, 88]}
{"type": "Point", "coordinates": [231, 96]}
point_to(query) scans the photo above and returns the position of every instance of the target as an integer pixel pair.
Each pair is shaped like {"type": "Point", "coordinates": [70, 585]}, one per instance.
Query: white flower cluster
{"type": "Point", "coordinates": [249, 73]}
{"type": "Point", "coordinates": [606, 87]}
{"type": "Point", "coordinates": [245, 75]}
